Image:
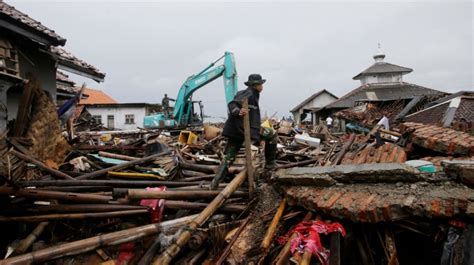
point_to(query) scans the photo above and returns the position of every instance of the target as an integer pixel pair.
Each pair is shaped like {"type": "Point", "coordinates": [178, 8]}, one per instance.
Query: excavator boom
{"type": "Point", "coordinates": [183, 110]}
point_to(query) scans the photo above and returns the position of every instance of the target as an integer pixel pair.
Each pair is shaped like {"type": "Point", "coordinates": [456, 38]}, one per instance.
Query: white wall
{"type": "Point", "coordinates": [119, 115]}
{"type": "Point", "coordinates": [317, 102]}
{"type": "Point", "coordinates": [382, 78]}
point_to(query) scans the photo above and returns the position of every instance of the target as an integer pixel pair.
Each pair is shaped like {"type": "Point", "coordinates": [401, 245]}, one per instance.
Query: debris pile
{"type": "Point", "coordinates": [143, 196]}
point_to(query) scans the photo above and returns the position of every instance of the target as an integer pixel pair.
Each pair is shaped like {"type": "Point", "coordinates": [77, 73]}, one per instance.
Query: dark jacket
{"type": "Point", "coordinates": [234, 126]}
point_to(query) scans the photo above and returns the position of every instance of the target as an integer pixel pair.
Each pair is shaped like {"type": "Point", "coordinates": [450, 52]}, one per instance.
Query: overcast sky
{"type": "Point", "coordinates": [150, 48]}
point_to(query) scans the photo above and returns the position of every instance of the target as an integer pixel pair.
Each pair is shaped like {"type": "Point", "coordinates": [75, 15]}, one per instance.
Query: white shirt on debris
{"type": "Point", "coordinates": [328, 121]}
{"type": "Point", "coordinates": [384, 122]}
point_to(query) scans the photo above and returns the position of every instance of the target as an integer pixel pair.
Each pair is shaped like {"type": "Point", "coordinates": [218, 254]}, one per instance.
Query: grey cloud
{"type": "Point", "coordinates": [149, 48]}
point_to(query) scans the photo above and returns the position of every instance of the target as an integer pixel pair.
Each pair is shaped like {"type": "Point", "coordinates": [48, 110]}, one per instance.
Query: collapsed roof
{"type": "Point", "coordinates": [382, 92]}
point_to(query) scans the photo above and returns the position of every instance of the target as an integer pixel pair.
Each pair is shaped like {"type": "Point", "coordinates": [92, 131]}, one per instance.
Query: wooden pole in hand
{"type": "Point", "coordinates": [248, 150]}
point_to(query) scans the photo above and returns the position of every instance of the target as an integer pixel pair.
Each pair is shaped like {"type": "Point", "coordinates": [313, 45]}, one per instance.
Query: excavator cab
{"type": "Point", "coordinates": [195, 115]}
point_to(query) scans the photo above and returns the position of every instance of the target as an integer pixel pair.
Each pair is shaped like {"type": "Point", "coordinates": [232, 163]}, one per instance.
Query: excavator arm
{"type": "Point", "coordinates": [182, 109]}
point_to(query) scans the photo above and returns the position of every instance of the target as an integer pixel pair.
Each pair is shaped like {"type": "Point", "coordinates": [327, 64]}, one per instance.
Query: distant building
{"type": "Point", "coordinates": [381, 83]}
{"type": "Point", "coordinates": [121, 116]}
{"type": "Point", "coordinates": [311, 105]}
{"type": "Point", "coordinates": [112, 114]}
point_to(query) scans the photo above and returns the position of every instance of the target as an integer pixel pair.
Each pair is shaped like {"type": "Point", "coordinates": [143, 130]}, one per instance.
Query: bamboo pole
{"type": "Point", "coordinates": [306, 259]}
{"type": "Point", "coordinates": [248, 150]}
{"type": "Point", "coordinates": [91, 243]}
{"type": "Point", "coordinates": [134, 175]}
{"type": "Point", "coordinates": [267, 239]}
{"type": "Point", "coordinates": [78, 189]}
{"type": "Point", "coordinates": [235, 208]}
{"type": "Point", "coordinates": [167, 256]}
{"type": "Point", "coordinates": [71, 208]}
{"type": "Point", "coordinates": [208, 169]}
{"type": "Point", "coordinates": [150, 253]}
{"type": "Point", "coordinates": [41, 165]}
{"type": "Point", "coordinates": [198, 178]}
{"type": "Point", "coordinates": [57, 195]}
{"type": "Point", "coordinates": [31, 238]}
{"type": "Point", "coordinates": [284, 255]}
{"type": "Point", "coordinates": [178, 194]}
{"type": "Point", "coordinates": [122, 166]}
{"type": "Point", "coordinates": [344, 150]}
{"type": "Point", "coordinates": [117, 156]}
{"type": "Point", "coordinates": [110, 183]}
{"type": "Point", "coordinates": [70, 216]}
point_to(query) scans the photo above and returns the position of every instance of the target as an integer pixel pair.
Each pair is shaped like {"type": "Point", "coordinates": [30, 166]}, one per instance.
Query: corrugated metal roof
{"type": "Point", "coordinates": [25, 21]}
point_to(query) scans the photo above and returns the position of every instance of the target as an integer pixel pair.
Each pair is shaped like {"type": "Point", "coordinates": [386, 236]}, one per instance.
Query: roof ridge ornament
{"type": "Point", "coordinates": [379, 56]}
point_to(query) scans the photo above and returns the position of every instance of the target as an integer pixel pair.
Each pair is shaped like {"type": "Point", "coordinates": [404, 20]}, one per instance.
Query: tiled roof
{"type": "Point", "coordinates": [383, 67]}
{"type": "Point", "coordinates": [9, 12]}
{"type": "Point", "coordinates": [385, 201]}
{"type": "Point", "coordinates": [386, 153]}
{"type": "Point", "coordinates": [62, 77]}
{"type": "Point", "coordinates": [443, 140]}
{"type": "Point", "coordinates": [458, 107]}
{"type": "Point", "coordinates": [382, 92]}
{"type": "Point", "coordinates": [69, 61]}
{"type": "Point", "coordinates": [96, 97]}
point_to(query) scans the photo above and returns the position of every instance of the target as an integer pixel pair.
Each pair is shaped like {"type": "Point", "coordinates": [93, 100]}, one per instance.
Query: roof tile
{"type": "Point", "coordinates": [96, 97]}
{"type": "Point", "coordinates": [29, 22]}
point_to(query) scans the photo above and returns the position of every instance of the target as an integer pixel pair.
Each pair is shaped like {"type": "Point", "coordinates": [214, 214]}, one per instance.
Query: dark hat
{"type": "Point", "coordinates": [255, 79]}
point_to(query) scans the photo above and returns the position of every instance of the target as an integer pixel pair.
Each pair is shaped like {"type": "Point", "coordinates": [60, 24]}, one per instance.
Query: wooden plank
{"type": "Point", "coordinates": [24, 107]}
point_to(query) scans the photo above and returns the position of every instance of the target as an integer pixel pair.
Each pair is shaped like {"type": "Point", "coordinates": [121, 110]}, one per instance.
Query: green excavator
{"type": "Point", "coordinates": [185, 112]}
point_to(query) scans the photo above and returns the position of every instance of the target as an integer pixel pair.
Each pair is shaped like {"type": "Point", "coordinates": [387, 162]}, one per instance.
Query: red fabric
{"type": "Point", "coordinates": [126, 254]}
{"type": "Point", "coordinates": [156, 206]}
{"type": "Point", "coordinates": [457, 224]}
{"type": "Point", "coordinates": [308, 238]}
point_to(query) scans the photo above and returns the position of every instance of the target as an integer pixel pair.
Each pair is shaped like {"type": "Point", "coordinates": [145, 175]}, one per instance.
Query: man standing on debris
{"type": "Point", "coordinates": [234, 128]}
{"type": "Point", "coordinates": [165, 104]}
{"type": "Point", "coordinates": [329, 123]}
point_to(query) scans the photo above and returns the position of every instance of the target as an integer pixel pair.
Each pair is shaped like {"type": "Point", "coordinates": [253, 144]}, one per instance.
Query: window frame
{"type": "Point", "coordinates": [129, 118]}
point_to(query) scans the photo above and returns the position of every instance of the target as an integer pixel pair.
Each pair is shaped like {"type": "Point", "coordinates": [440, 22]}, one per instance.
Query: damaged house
{"type": "Point", "coordinates": [311, 105]}
{"type": "Point", "coordinates": [382, 92]}
{"type": "Point", "coordinates": [456, 111]}
{"type": "Point", "coordinates": [30, 87]}
{"type": "Point", "coordinates": [30, 50]}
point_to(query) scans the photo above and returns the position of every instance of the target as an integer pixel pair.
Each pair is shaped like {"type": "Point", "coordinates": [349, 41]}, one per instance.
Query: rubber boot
{"type": "Point", "coordinates": [270, 156]}
{"type": "Point", "coordinates": [221, 173]}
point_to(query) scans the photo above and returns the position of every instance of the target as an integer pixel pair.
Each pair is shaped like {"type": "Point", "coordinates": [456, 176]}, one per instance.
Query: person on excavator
{"type": "Point", "coordinates": [165, 104]}
{"type": "Point", "coordinates": [234, 128]}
